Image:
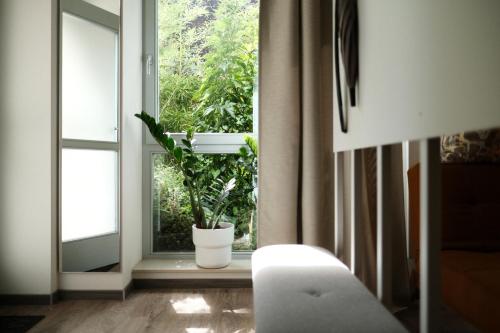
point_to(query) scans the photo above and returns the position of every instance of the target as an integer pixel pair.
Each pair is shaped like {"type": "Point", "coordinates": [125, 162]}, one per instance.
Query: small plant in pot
{"type": "Point", "coordinates": [211, 236]}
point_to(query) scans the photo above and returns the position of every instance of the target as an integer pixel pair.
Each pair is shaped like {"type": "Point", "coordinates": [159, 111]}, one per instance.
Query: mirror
{"type": "Point", "coordinates": [89, 149]}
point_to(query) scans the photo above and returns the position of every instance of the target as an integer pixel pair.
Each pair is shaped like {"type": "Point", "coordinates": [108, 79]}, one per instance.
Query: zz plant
{"type": "Point", "coordinates": [207, 204]}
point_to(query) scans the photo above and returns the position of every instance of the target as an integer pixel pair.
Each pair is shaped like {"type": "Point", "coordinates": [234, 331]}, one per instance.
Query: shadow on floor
{"type": "Point", "coordinates": [451, 321]}
{"type": "Point", "coordinates": [18, 324]}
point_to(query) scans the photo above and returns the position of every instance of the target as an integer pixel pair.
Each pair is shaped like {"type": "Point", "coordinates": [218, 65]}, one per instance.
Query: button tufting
{"type": "Point", "coordinates": [313, 293]}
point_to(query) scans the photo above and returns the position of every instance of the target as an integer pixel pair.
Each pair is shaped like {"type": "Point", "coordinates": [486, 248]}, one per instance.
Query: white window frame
{"type": "Point", "coordinates": [206, 143]}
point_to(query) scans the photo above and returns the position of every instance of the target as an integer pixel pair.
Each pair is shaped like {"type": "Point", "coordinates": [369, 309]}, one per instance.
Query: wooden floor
{"type": "Point", "coordinates": [186, 311]}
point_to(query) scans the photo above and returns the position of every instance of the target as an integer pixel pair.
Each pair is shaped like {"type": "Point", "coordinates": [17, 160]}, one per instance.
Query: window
{"type": "Point", "coordinates": [200, 75]}
{"type": "Point", "coordinates": [89, 123]}
{"type": "Point", "coordinates": [171, 210]}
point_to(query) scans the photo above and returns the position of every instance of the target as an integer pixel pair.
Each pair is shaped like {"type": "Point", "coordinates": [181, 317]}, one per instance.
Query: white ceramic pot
{"type": "Point", "coordinates": [213, 247]}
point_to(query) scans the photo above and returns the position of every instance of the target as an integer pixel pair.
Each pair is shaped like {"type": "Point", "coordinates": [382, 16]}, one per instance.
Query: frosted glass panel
{"type": "Point", "coordinates": [89, 193]}
{"type": "Point", "coordinates": [89, 80]}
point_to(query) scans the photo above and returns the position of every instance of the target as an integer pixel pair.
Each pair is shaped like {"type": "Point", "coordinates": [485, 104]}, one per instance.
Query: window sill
{"type": "Point", "coordinates": [187, 269]}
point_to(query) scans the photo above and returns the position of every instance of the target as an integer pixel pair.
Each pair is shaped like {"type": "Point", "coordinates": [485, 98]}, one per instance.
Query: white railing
{"type": "Point", "coordinates": [430, 216]}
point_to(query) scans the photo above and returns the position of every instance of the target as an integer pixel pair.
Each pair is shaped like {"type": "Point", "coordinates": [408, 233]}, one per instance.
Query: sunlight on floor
{"type": "Point", "coordinates": [238, 311]}
{"type": "Point", "coordinates": [208, 330]}
{"type": "Point", "coordinates": [190, 305]}
{"type": "Point", "coordinates": [198, 330]}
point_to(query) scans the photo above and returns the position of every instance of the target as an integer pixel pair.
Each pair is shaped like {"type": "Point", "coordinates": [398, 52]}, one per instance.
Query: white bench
{"type": "Point", "coordinates": [305, 289]}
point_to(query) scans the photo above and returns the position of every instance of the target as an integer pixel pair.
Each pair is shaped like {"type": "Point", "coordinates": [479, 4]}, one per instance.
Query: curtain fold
{"type": "Point", "coordinates": [295, 123]}
{"type": "Point", "coordinates": [368, 265]}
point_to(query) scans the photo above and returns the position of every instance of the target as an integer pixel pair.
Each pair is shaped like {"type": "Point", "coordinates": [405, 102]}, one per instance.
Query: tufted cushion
{"type": "Point", "coordinates": [299, 288]}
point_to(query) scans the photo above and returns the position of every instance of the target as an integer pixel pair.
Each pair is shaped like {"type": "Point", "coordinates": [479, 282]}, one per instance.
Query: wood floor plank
{"type": "Point", "coordinates": [184, 311]}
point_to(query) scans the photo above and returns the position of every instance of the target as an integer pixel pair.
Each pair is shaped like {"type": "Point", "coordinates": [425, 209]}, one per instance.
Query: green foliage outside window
{"type": "Point", "coordinates": [171, 210]}
{"type": "Point", "coordinates": [207, 64]}
{"type": "Point", "coordinates": [207, 76]}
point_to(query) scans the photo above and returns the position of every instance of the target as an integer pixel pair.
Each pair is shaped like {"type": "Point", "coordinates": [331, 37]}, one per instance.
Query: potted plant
{"type": "Point", "coordinates": [211, 236]}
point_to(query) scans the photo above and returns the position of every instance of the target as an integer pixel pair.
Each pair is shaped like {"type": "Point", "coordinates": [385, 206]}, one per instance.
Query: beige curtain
{"type": "Point", "coordinates": [295, 123]}
{"type": "Point", "coordinates": [296, 141]}
{"type": "Point", "coordinates": [368, 266]}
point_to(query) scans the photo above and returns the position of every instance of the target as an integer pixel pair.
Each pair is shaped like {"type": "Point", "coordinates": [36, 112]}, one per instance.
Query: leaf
{"type": "Point", "coordinates": [170, 143]}
{"type": "Point", "coordinates": [209, 110]}
{"type": "Point", "coordinates": [252, 144]}
{"type": "Point", "coordinates": [215, 173]}
{"type": "Point", "coordinates": [243, 151]}
{"type": "Point", "coordinates": [230, 110]}
{"type": "Point", "coordinates": [230, 185]}
{"type": "Point", "coordinates": [178, 153]}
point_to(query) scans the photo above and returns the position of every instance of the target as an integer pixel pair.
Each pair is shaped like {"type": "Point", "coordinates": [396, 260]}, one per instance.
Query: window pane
{"type": "Point", "coordinates": [89, 80]}
{"type": "Point", "coordinates": [172, 218]}
{"type": "Point", "coordinates": [207, 64]}
{"type": "Point", "coordinates": [89, 193]}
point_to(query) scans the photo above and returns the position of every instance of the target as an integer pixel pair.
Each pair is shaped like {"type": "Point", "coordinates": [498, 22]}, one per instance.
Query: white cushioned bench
{"type": "Point", "coordinates": [305, 289]}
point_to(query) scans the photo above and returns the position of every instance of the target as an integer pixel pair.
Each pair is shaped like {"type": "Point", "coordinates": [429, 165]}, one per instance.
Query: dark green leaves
{"type": "Point", "coordinates": [178, 153]}
{"type": "Point", "coordinates": [156, 130]}
{"type": "Point", "coordinates": [243, 151]}
{"type": "Point", "coordinates": [170, 143]}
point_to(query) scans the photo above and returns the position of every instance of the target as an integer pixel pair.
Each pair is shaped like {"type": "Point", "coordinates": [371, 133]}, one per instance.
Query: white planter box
{"type": "Point", "coordinates": [213, 247]}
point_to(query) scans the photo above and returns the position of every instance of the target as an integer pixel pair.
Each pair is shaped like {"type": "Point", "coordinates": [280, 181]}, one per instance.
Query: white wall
{"type": "Point", "coordinates": [28, 151]}
{"type": "Point", "coordinates": [28, 105]}
{"type": "Point", "coordinates": [131, 137]}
